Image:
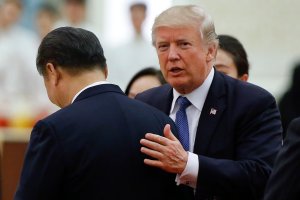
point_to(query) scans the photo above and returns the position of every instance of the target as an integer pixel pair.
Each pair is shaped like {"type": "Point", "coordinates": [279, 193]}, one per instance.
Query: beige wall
{"type": "Point", "coordinates": [268, 29]}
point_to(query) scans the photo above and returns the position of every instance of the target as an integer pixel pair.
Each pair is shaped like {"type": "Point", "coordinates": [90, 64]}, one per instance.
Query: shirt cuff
{"type": "Point", "coordinates": [190, 173]}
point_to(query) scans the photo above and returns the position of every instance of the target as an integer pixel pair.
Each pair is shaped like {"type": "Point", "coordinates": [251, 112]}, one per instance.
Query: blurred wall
{"type": "Point", "coordinates": [269, 31]}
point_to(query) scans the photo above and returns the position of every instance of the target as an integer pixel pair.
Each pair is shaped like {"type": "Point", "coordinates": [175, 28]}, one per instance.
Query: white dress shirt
{"type": "Point", "coordinates": [197, 99]}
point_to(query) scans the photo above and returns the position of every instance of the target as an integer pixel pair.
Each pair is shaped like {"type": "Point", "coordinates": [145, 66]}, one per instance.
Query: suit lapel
{"type": "Point", "coordinates": [162, 98]}
{"type": "Point", "coordinates": [211, 114]}
{"type": "Point", "coordinates": [167, 100]}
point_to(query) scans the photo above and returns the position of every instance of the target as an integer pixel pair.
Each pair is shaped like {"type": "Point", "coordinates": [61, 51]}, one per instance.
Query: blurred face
{"type": "Point", "coordinates": [10, 13]}
{"type": "Point", "coordinates": [225, 64]}
{"type": "Point", "coordinates": [44, 23]}
{"type": "Point", "coordinates": [75, 12]}
{"type": "Point", "coordinates": [143, 83]}
{"type": "Point", "coordinates": [184, 59]}
{"type": "Point", "coordinates": [138, 16]}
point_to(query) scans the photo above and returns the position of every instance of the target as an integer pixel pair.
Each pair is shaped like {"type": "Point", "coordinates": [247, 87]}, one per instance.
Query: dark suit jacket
{"type": "Point", "coordinates": [284, 183]}
{"type": "Point", "coordinates": [91, 150]}
{"type": "Point", "coordinates": [237, 145]}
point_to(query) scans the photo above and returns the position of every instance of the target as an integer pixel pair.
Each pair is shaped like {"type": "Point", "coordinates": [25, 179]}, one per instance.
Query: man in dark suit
{"type": "Point", "coordinates": [233, 128]}
{"type": "Point", "coordinates": [284, 182]}
{"type": "Point", "coordinates": [90, 148]}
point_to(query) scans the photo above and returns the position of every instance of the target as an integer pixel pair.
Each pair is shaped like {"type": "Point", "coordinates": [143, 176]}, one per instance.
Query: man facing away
{"type": "Point", "coordinates": [229, 130]}
{"type": "Point", "coordinates": [89, 149]}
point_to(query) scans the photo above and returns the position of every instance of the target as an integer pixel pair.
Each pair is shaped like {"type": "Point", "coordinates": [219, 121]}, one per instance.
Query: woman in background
{"type": "Point", "coordinates": [232, 58]}
{"type": "Point", "coordinates": [143, 80]}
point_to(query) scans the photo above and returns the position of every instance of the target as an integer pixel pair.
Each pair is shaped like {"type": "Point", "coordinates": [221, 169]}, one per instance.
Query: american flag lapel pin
{"type": "Point", "coordinates": [213, 111]}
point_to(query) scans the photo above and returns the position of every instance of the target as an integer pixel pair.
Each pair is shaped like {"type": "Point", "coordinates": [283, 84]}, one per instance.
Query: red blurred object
{"type": "Point", "coordinates": [3, 122]}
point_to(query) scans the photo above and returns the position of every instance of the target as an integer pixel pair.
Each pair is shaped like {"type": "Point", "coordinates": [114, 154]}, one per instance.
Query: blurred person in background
{"type": "Point", "coordinates": [143, 80]}
{"type": "Point", "coordinates": [46, 17]}
{"type": "Point", "coordinates": [74, 13]}
{"type": "Point", "coordinates": [232, 58]}
{"type": "Point", "coordinates": [130, 57]}
{"type": "Point", "coordinates": [289, 103]}
{"type": "Point", "coordinates": [284, 182]}
{"type": "Point", "coordinates": [22, 97]}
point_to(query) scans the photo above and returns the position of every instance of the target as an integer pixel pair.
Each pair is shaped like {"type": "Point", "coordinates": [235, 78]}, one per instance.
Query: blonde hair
{"type": "Point", "coordinates": [186, 16]}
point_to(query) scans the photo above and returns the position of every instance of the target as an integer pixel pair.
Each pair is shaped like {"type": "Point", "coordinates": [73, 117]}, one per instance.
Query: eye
{"type": "Point", "coordinates": [162, 47]}
{"type": "Point", "coordinates": [184, 45]}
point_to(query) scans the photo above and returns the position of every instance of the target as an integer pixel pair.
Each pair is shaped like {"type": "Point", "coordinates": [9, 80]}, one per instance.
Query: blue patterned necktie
{"type": "Point", "coordinates": [182, 122]}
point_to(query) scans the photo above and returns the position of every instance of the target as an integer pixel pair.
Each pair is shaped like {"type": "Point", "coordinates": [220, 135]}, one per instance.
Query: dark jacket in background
{"type": "Point", "coordinates": [289, 104]}
{"type": "Point", "coordinates": [284, 183]}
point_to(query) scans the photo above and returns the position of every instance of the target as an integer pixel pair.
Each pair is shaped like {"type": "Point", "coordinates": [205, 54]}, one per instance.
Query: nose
{"type": "Point", "coordinates": [173, 53]}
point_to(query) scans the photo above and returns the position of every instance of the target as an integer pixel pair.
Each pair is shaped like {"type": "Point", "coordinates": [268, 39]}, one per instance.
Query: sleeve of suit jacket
{"type": "Point", "coordinates": [284, 182]}
{"type": "Point", "coordinates": [43, 166]}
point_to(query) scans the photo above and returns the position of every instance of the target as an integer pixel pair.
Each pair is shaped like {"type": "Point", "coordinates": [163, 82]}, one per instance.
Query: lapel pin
{"type": "Point", "coordinates": [213, 111]}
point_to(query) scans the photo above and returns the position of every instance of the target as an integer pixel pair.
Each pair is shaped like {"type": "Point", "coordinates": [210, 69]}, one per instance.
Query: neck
{"type": "Point", "coordinates": [78, 82]}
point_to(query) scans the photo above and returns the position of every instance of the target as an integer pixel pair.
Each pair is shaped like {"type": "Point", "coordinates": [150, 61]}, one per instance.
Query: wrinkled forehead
{"type": "Point", "coordinates": [179, 32]}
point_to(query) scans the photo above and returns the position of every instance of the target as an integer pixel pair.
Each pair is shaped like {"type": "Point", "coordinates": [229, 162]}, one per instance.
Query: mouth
{"type": "Point", "coordinates": [175, 70]}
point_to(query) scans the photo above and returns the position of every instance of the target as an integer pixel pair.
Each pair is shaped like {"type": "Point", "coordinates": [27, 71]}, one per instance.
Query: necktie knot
{"type": "Point", "coordinates": [183, 103]}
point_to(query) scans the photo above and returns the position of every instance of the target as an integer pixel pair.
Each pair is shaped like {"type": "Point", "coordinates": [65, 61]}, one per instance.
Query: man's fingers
{"type": "Point", "coordinates": [152, 153]}
{"type": "Point", "coordinates": [156, 138]}
{"type": "Point", "coordinates": [153, 163]}
{"type": "Point", "coordinates": [168, 133]}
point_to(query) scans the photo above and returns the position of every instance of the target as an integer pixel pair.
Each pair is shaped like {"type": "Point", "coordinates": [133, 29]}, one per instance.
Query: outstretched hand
{"type": "Point", "coordinates": [167, 152]}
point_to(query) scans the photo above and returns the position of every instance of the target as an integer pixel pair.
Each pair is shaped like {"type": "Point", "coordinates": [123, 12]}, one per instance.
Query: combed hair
{"type": "Point", "coordinates": [190, 15]}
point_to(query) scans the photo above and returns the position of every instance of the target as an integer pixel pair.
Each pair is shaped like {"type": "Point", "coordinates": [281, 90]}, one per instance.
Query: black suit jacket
{"type": "Point", "coordinates": [91, 150]}
{"type": "Point", "coordinates": [284, 183]}
{"type": "Point", "coordinates": [237, 145]}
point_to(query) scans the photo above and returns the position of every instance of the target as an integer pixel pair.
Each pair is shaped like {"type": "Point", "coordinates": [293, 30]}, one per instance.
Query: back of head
{"type": "Point", "coordinates": [190, 15]}
{"type": "Point", "coordinates": [232, 46]}
{"type": "Point", "coordinates": [73, 49]}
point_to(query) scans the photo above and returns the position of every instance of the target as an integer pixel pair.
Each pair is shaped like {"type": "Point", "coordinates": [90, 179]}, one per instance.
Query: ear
{"type": "Point", "coordinates": [53, 75]}
{"type": "Point", "coordinates": [211, 52]}
{"type": "Point", "coordinates": [244, 77]}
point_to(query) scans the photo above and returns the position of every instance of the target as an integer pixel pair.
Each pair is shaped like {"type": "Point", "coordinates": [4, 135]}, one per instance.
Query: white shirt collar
{"type": "Point", "coordinates": [88, 86]}
{"type": "Point", "coordinates": [198, 96]}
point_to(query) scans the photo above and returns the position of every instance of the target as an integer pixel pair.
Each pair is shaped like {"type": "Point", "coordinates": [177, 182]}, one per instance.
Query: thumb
{"type": "Point", "coordinates": [168, 133]}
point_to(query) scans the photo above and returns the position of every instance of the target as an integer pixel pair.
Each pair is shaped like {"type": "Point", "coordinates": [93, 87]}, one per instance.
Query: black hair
{"type": "Point", "coordinates": [73, 49]}
{"type": "Point", "coordinates": [232, 46]}
{"type": "Point", "coordinates": [148, 71]}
